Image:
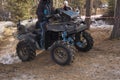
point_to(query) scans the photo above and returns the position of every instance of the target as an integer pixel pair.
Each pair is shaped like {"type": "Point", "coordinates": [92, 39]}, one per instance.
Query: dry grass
{"type": "Point", "coordinates": [100, 34]}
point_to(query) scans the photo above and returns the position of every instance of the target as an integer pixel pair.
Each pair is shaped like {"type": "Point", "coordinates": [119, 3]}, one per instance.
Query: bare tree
{"type": "Point", "coordinates": [88, 12]}
{"type": "Point", "coordinates": [116, 28]}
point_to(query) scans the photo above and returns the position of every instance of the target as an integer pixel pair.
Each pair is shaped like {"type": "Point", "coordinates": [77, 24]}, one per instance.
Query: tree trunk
{"type": "Point", "coordinates": [116, 29]}
{"type": "Point", "coordinates": [95, 9]}
{"type": "Point", "coordinates": [88, 12]}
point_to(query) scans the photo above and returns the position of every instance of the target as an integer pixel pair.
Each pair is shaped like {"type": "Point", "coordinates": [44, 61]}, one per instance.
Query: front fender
{"type": "Point", "coordinates": [27, 36]}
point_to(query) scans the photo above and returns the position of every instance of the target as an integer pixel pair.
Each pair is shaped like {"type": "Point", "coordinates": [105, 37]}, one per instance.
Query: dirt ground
{"type": "Point", "coordinates": [101, 63]}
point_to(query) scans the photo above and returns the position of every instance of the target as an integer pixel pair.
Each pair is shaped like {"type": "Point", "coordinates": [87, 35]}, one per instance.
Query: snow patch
{"type": "Point", "coordinates": [4, 24]}
{"type": "Point", "coordinates": [101, 24]}
{"type": "Point", "coordinates": [8, 58]}
{"type": "Point", "coordinates": [7, 23]}
{"type": "Point", "coordinates": [25, 77]}
{"type": "Point", "coordinates": [92, 17]}
{"type": "Point", "coordinates": [28, 22]}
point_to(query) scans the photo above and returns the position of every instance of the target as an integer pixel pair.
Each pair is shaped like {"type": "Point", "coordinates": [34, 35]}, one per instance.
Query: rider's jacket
{"type": "Point", "coordinates": [44, 8]}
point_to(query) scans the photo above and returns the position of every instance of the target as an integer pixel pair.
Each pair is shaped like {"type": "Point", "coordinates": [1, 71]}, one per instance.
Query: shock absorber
{"type": "Point", "coordinates": [66, 38]}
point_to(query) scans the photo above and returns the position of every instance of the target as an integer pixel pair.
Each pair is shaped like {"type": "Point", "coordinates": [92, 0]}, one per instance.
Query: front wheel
{"type": "Point", "coordinates": [85, 43]}
{"type": "Point", "coordinates": [62, 53]}
{"type": "Point", "coordinates": [26, 50]}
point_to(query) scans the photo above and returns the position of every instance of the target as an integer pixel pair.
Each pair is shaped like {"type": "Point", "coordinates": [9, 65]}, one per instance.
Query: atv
{"type": "Point", "coordinates": [62, 37]}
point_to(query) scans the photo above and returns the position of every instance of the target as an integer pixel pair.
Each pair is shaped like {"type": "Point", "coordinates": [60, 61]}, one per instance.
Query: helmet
{"type": "Point", "coordinates": [66, 2]}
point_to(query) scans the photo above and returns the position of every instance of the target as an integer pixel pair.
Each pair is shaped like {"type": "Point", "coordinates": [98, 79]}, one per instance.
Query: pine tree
{"type": "Point", "coordinates": [111, 8]}
{"type": "Point", "coordinates": [20, 9]}
{"type": "Point", "coordinates": [116, 29]}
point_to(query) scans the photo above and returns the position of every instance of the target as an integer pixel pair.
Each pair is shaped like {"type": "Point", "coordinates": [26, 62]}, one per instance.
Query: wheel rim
{"type": "Point", "coordinates": [60, 54]}
{"type": "Point", "coordinates": [84, 42]}
{"type": "Point", "coordinates": [24, 53]}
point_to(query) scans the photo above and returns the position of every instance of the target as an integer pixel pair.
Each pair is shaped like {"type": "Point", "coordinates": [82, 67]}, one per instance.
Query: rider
{"type": "Point", "coordinates": [44, 9]}
{"type": "Point", "coordinates": [66, 6]}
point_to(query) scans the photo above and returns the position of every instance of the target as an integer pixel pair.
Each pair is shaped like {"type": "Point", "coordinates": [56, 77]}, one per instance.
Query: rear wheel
{"type": "Point", "coordinates": [62, 53]}
{"type": "Point", "coordinates": [26, 50]}
{"type": "Point", "coordinates": [86, 42]}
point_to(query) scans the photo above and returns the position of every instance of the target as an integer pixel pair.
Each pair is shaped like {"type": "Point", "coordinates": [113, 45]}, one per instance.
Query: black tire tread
{"type": "Point", "coordinates": [29, 46]}
{"type": "Point", "coordinates": [89, 40]}
{"type": "Point", "coordinates": [68, 47]}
